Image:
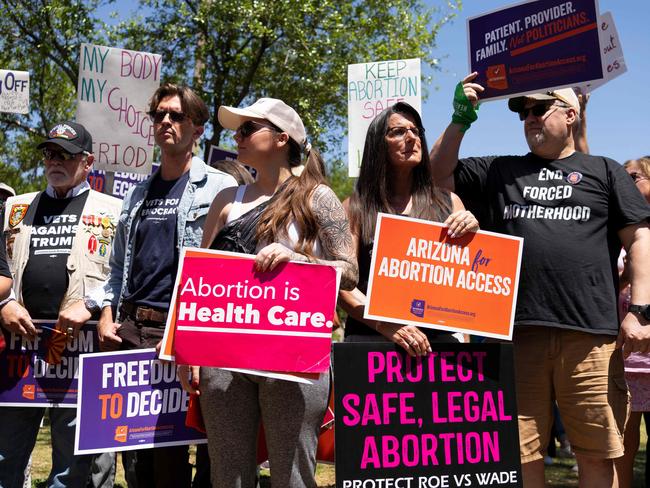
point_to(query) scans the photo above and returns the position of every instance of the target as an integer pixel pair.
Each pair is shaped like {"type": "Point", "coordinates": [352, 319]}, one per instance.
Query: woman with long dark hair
{"type": "Point", "coordinates": [279, 217]}
{"type": "Point", "coordinates": [395, 177]}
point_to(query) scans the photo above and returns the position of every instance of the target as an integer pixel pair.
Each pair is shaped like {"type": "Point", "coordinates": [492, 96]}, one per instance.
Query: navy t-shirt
{"type": "Point", "coordinates": [569, 212]}
{"type": "Point", "coordinates": [155, 255]}
{"type": "Point", "coordinates": [45, 278]}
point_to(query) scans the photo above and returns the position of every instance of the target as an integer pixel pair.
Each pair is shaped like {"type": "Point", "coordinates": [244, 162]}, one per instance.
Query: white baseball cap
{"type": "Point", "coordinates": [6, 188]}
{"type": "Point", "coordinates": [566, 95]}
{"type": "Point", "coordinates": [275, 111]}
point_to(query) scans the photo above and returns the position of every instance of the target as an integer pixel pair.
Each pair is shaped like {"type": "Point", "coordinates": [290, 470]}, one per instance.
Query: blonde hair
{"type": "Point", "coordinates": [643, 162]}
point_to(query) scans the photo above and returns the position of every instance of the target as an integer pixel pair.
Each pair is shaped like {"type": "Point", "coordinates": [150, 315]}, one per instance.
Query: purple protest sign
{"type": "Point", "coordinates": [535, 46]}
{"type": "Point", "coordinates": [130, 400]}
{"type": "Point", "coordinates": [218, 153]}
{"type": "Point", "coordinates": [122, 181]}
{"type": "Point", "coordinates": [28, 380]}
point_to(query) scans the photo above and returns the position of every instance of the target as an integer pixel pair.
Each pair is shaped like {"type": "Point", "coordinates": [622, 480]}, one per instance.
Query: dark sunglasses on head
{"type": "Point", "coordinates": [250, 127]}
{"type": "Point", "coordinates": [159, 115]}
{"type": "Point", "coordinates": [58, 155]}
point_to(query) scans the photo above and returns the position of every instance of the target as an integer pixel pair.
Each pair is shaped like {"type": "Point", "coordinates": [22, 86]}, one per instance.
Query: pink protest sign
{"type": "Point", "coordinates": [225, 314]}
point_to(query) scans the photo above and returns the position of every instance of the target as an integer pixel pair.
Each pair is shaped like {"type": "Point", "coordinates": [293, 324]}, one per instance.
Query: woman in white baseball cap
{"type": "Point", "coordinates": [288, 213]}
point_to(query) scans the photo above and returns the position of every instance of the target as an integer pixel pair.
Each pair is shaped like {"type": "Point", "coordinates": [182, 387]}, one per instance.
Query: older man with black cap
{"type": "Point", "coordinates": [573, 210]}
{"type": "Point", "coordinates": [57, 245]}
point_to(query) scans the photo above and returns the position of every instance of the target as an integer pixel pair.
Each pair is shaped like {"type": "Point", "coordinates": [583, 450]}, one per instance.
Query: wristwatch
{"type": "Point", "coordinates": [644, 310]}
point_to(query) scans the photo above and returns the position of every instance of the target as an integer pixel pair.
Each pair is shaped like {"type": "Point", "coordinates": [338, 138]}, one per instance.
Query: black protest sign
{"type": "Point", "coordinates": [448, 419]}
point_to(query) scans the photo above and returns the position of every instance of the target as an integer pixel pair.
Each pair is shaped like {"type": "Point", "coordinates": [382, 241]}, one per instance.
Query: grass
{"type": "Point", "coordinates": [558, 475]}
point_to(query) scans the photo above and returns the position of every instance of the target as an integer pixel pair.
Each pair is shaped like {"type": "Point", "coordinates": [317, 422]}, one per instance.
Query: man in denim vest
{"type": "Point", "coordinates": [159, 217]}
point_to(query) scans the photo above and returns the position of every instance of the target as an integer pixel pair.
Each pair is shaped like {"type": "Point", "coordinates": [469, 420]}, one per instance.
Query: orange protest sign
{"type": "Point", "coordinates": [418, 275]}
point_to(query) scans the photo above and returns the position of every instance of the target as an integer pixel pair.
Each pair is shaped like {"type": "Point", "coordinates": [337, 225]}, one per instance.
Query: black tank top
{"type": "Point", "coordinates": [239, 234]}
{"type": "Point", "coordinates": [355, 327]}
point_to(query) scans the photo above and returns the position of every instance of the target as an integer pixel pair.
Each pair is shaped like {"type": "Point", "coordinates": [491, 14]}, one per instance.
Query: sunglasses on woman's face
{"type": "Point", "coordinates": [159, 115]}
{"type": "Point", "coordinates": [250, 127]}
{"type": "Point", "coordinates": [637, 176]}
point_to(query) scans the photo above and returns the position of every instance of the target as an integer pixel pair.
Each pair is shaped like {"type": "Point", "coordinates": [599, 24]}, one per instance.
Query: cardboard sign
{"type": "Point", "coordinates": [28, 380]}
{"type": "Point", "coordinates": [130, 400]}
{"type": "Point", "coordinates": [418, 275]}
{"type": "Point", "coordinates": [14, 91]}
{"type": "Point", "coordinates": [611, 52]}
{"type": "Point", "coordinates": [225, 314]}
{"type": "Point", "coordinates": [373, 87]}
{"type": "Point", "coordinates": [448, 419]}
{"type": "Point", "coordinates": [114, 89]}
{"type": "Point", "coordinates": [534, 47]}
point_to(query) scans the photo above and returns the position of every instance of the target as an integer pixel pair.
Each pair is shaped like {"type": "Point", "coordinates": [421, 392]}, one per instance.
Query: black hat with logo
{"type": "Point", "coordinates": [71, 136]}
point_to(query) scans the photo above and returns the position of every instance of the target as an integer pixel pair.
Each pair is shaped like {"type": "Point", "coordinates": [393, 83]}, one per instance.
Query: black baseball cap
{"type": "Point", "coordinates": [71, 136]}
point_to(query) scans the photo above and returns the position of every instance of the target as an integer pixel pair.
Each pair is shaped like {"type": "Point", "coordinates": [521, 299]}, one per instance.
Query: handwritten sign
{"type": "Point", "coordinates": [28, 380]}
{"type": "Point", "coordinates": [448, 419]}
{"type": "Point", "coordinates": [419, 275]}
{"type": "Point", "coordinates": [373, 87]}
{"type": "Point", "coordinates": [611, 52]}
{"type": "Point", "coordinates": [130, 400]}
{"type": "Point", "coordinates": [114, 89]}
{"type": "Point", "coordinates": [535, 46]}
{"type": "Point", "coordinates": [14, 91]}
{"type": "Point", "coordinates": [227, 315]}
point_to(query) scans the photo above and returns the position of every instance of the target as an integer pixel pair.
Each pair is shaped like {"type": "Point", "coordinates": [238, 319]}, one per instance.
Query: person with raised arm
{"type": "Point", "coordinates": [573, 210]}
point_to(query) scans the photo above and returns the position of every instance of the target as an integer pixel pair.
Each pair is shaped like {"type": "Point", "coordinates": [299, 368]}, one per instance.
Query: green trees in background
{"type": "Point", "coordinates": [230, 51]}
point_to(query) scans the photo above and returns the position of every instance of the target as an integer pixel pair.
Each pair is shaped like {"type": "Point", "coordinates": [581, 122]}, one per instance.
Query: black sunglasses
{"type": "Point", "coordinates": [538, 110]}
{"type": "Point", "coordinates": [58, 155]}
{"type": "Point", "coordinates": [159, 115]}
{"type": "Point", "coordinates": [250, 127]}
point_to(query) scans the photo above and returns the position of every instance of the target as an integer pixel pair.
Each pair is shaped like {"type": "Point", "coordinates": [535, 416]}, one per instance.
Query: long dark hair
{"type": "Point", "coordinates": [373, 189]}
{"type": "Point", "coordinates": [293, 202]}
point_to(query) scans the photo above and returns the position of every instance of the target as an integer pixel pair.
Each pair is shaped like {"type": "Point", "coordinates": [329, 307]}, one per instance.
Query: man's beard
{"type": "Point", "coordinates": [535, 139]}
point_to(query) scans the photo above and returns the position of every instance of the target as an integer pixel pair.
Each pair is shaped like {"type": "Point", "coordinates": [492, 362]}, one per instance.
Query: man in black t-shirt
{"type": "Point", "coordinates": [56, 244]}
{"type": "Point", "coordinates": [573, 211]}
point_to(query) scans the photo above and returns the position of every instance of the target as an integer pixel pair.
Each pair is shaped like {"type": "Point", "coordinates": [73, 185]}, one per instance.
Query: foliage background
{"type": "Point", "coordinates": [231, 51]}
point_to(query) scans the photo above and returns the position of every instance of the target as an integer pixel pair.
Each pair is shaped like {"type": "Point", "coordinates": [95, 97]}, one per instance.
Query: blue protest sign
{"type": "Point", "coordinates": [535, 46]}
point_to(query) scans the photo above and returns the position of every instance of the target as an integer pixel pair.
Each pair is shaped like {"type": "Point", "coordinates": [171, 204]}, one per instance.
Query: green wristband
{"type": "Point", "coordinates": [464, 112]}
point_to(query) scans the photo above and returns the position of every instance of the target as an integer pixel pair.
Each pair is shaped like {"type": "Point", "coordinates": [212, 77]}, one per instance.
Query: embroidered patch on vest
{"type": "Point", "coordinates": [17, 214]}
{"type": "Point", "coordinates": [92, 244]}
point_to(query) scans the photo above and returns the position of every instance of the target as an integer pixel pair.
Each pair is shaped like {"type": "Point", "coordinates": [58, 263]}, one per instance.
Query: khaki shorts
{"type": "Point", "coordinates": [584, 373]}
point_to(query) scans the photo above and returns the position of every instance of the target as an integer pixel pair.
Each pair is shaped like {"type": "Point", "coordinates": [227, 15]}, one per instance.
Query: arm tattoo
{"type": "Point", "coordinates": [334, 235]}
